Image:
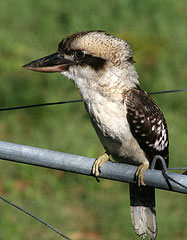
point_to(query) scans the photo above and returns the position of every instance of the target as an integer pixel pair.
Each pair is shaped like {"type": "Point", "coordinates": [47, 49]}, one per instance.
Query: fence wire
{"type": "Point", "coordinates": [35, 217]}
{"type": "Point", "coordinates": [78, 101]}
{"type": "Point", "coordinates": [83, 165]}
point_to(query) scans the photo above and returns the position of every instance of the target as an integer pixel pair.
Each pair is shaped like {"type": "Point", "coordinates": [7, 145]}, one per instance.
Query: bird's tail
{"type": "Point", "coordinates": [142, 208]}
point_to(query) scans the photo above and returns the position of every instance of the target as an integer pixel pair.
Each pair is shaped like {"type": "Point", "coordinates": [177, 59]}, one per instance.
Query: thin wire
{"type": "Point", "coordinates": [76, 101]}
{"type": "Point", "coordinates": [169, 91]}
{"type": "Point", "coordinates": [171, 179]}
{"type": "Point", "coordinates": [165, 170]}
{"type": "Point", "coordinates": [178, 168]}
{"type": "Point", "coordinates": [33, 216]}
{"type": "Point", "coordinates": [39, 105]}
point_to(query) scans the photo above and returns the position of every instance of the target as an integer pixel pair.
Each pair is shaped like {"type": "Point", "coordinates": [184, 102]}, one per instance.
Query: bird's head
{"type": "Point", "coordinates": [88, 58]}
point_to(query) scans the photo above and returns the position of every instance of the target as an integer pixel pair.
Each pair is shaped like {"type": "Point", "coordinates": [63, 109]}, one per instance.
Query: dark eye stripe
{"type": "Point", "coordinates": [96, 63]}
{"type": "Point", "coordinates": [81, 58]}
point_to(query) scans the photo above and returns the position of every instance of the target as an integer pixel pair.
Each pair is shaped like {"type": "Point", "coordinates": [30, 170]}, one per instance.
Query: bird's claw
{"type": "Point", "coordinates": [96, 169]}
{"type": "Point", "coordinates": [140, 174]}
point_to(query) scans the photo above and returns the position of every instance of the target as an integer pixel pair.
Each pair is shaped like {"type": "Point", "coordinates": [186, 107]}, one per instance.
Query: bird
{"type": "Point", "coordinates": [128, 122]}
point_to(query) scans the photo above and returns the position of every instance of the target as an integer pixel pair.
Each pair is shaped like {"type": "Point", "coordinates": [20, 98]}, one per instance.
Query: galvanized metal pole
{"type": "Point", "coordinates": [83, 165]}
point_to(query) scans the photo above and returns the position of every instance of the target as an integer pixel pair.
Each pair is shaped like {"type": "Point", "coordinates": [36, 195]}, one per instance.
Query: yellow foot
{"type": "Point", "coordinates": [98, 163]}
{"type": "Point", "coordinates": [140, 173]}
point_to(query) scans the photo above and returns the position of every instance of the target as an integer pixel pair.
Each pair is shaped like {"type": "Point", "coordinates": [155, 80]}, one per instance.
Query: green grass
{"type": "Point", "coordinates": [78, 205]}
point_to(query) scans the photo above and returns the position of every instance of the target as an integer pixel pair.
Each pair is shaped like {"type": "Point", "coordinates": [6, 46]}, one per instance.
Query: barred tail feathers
{"type": "Point", "coordinates": [142, 209]}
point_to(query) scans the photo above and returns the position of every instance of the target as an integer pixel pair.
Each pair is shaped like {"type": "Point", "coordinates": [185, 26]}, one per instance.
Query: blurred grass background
{"type": "Point", "coordinates": [77, 205]}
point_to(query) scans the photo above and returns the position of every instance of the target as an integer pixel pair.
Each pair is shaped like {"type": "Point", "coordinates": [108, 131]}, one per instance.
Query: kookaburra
{"type": "Point", "coordinates": [129, 124]}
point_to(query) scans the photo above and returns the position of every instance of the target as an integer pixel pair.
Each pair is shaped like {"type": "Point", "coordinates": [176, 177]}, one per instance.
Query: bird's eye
{"type": "Point", "coordinates": [79, 54]}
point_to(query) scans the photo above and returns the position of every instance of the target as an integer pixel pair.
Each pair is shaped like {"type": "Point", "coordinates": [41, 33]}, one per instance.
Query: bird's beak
{"type": "Point", "coordinates": [52, 63]}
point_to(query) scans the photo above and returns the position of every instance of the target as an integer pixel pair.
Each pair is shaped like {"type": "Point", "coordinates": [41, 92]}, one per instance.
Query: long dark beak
{"type": "Point", "coordinates": [52, 63]}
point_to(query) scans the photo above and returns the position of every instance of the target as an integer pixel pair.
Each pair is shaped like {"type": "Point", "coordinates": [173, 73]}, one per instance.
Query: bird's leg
{"type": "Point", "coordinates": [140, 173]}
{"type": "Point", "coordinates": [98, 163]}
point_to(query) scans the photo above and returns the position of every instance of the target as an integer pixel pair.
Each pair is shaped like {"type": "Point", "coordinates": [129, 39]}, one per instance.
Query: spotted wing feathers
{"type": "Point", "coordinates": [147, 124]}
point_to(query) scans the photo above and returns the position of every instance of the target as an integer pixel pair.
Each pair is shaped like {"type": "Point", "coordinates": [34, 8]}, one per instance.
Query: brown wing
{"type": "Point", "coordinates": [147, 124]}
